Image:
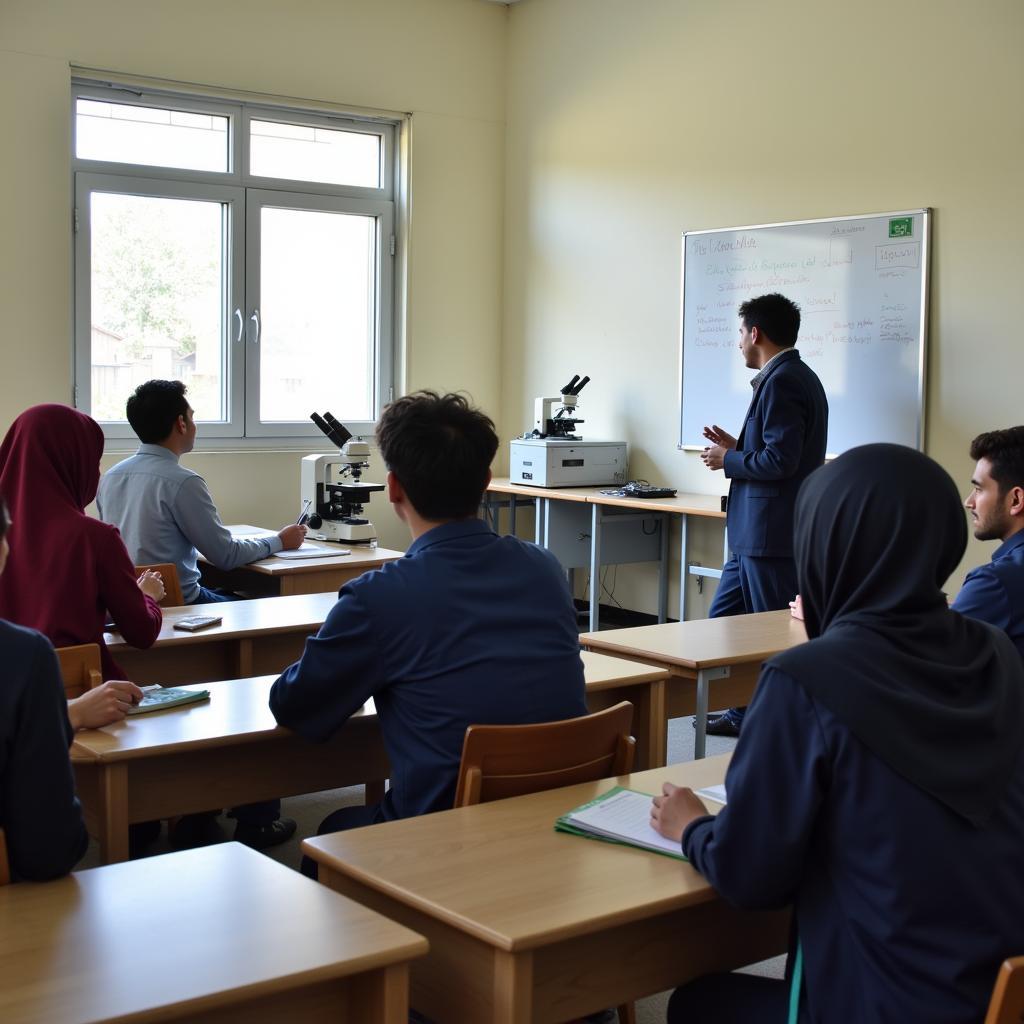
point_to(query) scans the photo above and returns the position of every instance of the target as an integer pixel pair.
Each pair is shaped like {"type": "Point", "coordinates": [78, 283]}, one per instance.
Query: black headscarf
{"type": "Point", "coordinates": [938, 697]}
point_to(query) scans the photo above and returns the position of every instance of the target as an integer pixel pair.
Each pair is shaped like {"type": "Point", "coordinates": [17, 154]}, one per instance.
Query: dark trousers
{"type": "Point", "coordinates": [730, 999]}
{"type": "Point", "coordinates": [341, 821]}
{"type": "Point", "coordinates": [751, 584]}
{"type": "Point", "coordinates": [206, 596]}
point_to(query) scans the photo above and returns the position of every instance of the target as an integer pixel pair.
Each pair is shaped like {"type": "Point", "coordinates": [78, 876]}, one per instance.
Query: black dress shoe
{"type": "Point", "coordinates": [713, 716]}
{"type": "Point", "coordinates": [723, 726]}
{"type": "Point", "coordinates": [263, 837]}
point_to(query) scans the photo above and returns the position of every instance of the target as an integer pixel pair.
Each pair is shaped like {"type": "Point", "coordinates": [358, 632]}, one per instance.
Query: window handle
{"type": "Point", "coordinates": [255, 318]}
{"type": "Point", "coordinates": [241, 324]}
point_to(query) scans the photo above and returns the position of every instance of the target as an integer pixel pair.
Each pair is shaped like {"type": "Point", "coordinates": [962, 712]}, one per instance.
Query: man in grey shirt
{"type": "Point", "coordinates": [165, 512]}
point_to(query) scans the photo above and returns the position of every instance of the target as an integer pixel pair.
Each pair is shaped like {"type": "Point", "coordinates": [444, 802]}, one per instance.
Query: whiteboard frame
{"type": "Point", "coordinates": [922, 361]}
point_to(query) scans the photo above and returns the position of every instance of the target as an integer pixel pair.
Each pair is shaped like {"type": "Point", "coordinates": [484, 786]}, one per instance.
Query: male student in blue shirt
{"type": "Point", "coordinates": [468, 627]}
{"type": "Point", "coordinates": [994, 593]}
{"type": "Point", "coordinates": [164, 511]}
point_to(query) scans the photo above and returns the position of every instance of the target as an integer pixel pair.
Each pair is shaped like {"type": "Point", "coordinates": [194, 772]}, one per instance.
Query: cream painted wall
{"type": "Point", "coordinates": [441, 60]}
{"type": "Point", "coordinates": [629, 123]}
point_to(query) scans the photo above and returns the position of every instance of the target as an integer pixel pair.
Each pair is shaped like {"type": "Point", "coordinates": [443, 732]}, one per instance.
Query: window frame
{"type": "Point", "coordinates": [236, 187]}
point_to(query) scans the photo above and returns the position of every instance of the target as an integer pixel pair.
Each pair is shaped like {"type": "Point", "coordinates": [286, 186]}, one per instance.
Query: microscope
{"type": "Point", "coordinates": [335, 506]}
{"type": "Point", "coordinates": [554, 455]}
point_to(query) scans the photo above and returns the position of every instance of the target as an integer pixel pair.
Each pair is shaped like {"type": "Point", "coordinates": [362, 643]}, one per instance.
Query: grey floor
{"type": "Point", "coordinates": [311, 809]}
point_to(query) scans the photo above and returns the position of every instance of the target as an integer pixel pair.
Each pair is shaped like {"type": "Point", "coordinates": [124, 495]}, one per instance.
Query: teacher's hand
{"type": "Point", "coordinates": [714, 457]}
{"type": "Point", "coordinates": [716, 435]}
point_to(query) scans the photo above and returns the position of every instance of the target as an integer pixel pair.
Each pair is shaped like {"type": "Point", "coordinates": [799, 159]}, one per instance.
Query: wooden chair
{"type": "Point", "coordinates": [1007, 1005]}
{"type": "Point", "coordinates": [500, 761]}
{"type": "Point", "coordinates": [5, 867]}
{"type": "Point", "coordinates": [80, 668]}
{"type": "Point", "coordinates": [173, 597]}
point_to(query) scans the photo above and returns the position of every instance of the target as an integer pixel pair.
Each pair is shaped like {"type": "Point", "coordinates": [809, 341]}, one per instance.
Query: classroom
{"type": "Point", "coordinates": [553, 154]}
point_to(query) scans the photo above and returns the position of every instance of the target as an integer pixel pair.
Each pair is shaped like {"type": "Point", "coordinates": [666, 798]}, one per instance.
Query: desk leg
{"type": "Point", "coordinates": [243, 659]}
{"type": "Point", "coordinates": [373, 792]}
{"type": "Point", "coordinates": [113, 814]}
{"type": "Point", "coordinates": [595, 567]}
{"type": "Point", "coordinates": [704, 677]}
{"type": "Point", "coordinates": [538, 522]}
{"type": "Point", "coordinates": [684, 567]}
{"type": "Point", "coordinates": [650, 724]}
{"type": "Point", "coordinates": [513, 504]}
{"type": "Point", "coordinates": [381, 995]}
{"type": "Point", "coordinates": [663, 571]}
{"type": "Point", "coordinates": [513, 987]}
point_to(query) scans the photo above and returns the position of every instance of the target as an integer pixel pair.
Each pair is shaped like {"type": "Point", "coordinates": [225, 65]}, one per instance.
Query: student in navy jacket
{"type": "Point", "coordinates": [39, 812]}
{"type": "Point", "coordinates": [994, 592]}
{"type": "Point", "coordinates": [879, 788]}
{"type": "Point", "coordinates": [781, 442]}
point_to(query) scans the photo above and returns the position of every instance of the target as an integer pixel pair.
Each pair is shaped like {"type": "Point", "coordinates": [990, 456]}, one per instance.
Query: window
{"type": "Point", "coordinates": [244, 250]}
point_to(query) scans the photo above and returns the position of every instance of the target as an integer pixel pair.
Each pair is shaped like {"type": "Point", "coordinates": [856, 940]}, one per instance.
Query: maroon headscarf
{"type": "Point", "coordinates": [64, 569]}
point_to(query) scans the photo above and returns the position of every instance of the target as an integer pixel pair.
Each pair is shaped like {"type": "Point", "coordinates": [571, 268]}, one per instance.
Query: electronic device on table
{"type": "Point", "coordinates": [162, 698]}
{"type": "Point", "coordinates": [641, 489]}
{"type": "Point", "coordinates": [333, 490]}
{"type": "Point", "coordinates": [554, 455]}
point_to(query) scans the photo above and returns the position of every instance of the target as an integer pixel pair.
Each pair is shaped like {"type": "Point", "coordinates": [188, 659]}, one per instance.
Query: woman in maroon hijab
{"type": "Point", "coordinates": [67, 571]}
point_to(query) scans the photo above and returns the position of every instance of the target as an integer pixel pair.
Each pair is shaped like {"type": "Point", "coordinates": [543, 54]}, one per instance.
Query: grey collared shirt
{"type": "Point", "coordinates": [165, 514]}
{"type": "Point", "coordinates": [759, 376]}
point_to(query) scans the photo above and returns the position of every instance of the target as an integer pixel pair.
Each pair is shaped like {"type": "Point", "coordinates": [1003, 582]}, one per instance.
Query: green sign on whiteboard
{"type": "Point", "coordinates": [901, 227]}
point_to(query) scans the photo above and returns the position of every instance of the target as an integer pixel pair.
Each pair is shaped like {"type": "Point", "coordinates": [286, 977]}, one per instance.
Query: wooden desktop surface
{"type": "Point", "coordinates": [220, 933]}
{"type": "Point", "coordinates": [527, 924]}
{"type": "Point", "coordinates": [286, 576]}
{"type": "Point", "coordinates": [709, 505]}
{"type": "Point", "coordinates": [703, 643]}
{"type": "Point", "coordinates": [230, 750]}
{"type": "Point", "coordinates": [264, 634]}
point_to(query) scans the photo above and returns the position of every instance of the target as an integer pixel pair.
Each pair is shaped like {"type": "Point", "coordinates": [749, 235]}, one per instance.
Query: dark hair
{"type": "Point", "coordinates": [1004, 450]}
{"type": "Point", "coordinates": [440, 448]}
{"type": "Point", "coordinates": [5, 518]}
{"type": "Point", "coordinates": [775, 316]}
{"type": "Point", "coordinates": [154, 407]}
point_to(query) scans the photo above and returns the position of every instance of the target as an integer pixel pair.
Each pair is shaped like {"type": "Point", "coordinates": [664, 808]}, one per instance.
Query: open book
{"type": "Point", "coordinates": [619, 816]}
{"type": "Point", "coordinates": [159, 698]}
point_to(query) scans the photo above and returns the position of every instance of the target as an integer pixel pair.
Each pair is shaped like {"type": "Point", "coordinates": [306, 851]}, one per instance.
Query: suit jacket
{"type": "Point", "coordinates": [782, 441]}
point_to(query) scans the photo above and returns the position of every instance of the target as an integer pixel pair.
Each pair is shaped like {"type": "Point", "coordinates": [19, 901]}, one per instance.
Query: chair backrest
{"type": "Point", "coordinates": [5, 867]}
{"type": "Point", "coordinates": [1007, 1005]}
{"type": "Point", "coordinates": [499, 761]}
{"type": "Point", "coordinates": [172, 585]}
{"type": "Point", "coordinates": [80, 668]}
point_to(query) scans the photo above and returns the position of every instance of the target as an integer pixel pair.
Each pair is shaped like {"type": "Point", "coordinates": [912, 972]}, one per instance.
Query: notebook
{"type": "Point", "coordinates": [161, 698]}
{"type": "Point", "coordinates": [619, 816]}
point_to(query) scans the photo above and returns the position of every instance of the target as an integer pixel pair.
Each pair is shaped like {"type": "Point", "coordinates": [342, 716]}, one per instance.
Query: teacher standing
{"type": "Point", "coordinates": [780, 443]}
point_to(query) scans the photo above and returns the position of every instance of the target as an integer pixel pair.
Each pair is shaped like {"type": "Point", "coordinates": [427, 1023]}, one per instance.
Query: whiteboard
{"type": "Point", "coordinates": [861, 284]}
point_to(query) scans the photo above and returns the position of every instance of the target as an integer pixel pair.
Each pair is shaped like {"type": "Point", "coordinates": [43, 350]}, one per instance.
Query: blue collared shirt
{"type": "Point", "coordinates": [994, 593]}
{"type": "Point", "coordinates": [468, 628]}
{"type": "Point", "coordinates": [165, 514]}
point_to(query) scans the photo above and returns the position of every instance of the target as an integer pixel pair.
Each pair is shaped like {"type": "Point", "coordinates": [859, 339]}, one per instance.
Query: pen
{"type": "Point", "coordinates": [302, 515]}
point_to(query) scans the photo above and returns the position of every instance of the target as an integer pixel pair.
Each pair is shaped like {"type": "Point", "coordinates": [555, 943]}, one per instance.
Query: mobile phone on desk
{"type": "Point", "coordinates": [193, 623]}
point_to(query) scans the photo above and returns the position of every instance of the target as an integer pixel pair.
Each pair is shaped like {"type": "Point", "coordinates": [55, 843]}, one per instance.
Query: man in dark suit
{"type": "Point", "coordinates": [781, 442]}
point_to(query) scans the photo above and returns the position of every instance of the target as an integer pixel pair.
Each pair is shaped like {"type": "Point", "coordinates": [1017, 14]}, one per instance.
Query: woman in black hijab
{"type": "Point", "coordinates": [881, 787]}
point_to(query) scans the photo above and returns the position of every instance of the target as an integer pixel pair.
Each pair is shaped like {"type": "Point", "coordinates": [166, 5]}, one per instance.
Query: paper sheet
{"type": "Point", "coordinates": [625, 815]}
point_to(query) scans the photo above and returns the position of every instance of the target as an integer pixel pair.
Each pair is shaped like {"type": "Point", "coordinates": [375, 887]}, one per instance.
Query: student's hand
{"type": "Point", "coordinates": [796, 608]}
{"type": "Point", "coordinates": [674, 810]}
{"type": "Point", "coordinates": [714, 457]}
{"type": "Point", "coordinates": [103, 705]}
{"type": "Point", "coordinates": [152, 585]}
{"type": "Point", "coordinates": [717, 436]}
{"type": "Point", "coordinates": [292, 536]}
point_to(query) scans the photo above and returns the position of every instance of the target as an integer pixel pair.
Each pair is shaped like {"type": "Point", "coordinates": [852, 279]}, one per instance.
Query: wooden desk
{"type": "Point", "coordinates": [285, 576]}
{"type": "Point", "coordinates": [727, 652]}
{"type": "Point", "coordinates": [603, 509]}
{"type": "Point", "coordinates": [529, 925]}
{"type": "Point", "coordinates": [264, 634]}
{"type": "Point", "coordinates": [218, 934]}
{"type": "Point", "coordinates": [230, 751]}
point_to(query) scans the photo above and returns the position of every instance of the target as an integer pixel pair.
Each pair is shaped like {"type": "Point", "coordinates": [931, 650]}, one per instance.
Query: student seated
{"type": "Point", "coordinates": [39, 812]}
{"type": "Point", "coordinates": [165, 512]}
{"type": "Point", "coordinates": [468, 627]}
{"type": "Point", "coordinates": [881, 791]}
{"type": "Point", "coordinates": [67, 572]}
{"type": "Point", "coordinates": [994, 592]}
